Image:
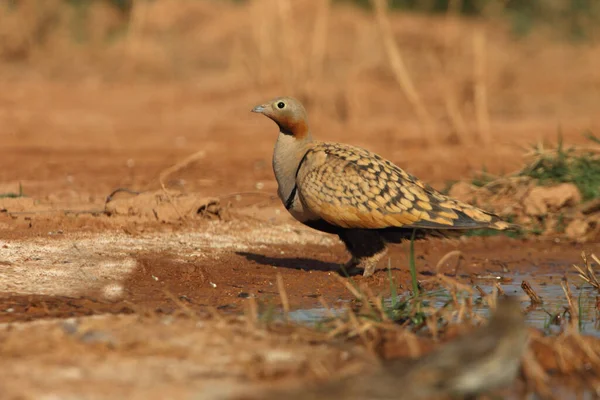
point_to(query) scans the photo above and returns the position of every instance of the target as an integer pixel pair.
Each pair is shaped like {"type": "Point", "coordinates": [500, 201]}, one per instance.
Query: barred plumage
{"type": "Point", "coordinates": [357, 194]}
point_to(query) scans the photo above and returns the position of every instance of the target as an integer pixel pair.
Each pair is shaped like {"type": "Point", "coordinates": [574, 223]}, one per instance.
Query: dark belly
{"type": "Point", "coordinates": [323, 226]}
{"type": "Point", "coordinates": [391, 235]}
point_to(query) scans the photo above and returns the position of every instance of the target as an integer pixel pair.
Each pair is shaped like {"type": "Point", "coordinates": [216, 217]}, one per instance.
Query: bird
{"type": "Point", "coordinates": [364, 199]}
{"type": "Point", "coordinates": [485, 359]}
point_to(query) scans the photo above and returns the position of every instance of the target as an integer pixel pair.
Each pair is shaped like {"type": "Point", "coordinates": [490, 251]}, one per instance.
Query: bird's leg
{"type": "Point", "coordinates": [366, 247]}
{"type": "Point", "coordinates": [370, 263]}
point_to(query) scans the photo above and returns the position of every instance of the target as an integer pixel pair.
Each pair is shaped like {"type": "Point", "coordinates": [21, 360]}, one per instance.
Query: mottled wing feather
{"type": "Point", "coordinates": [353, 188]}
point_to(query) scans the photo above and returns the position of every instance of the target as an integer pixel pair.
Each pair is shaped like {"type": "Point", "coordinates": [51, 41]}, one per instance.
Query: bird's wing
{"type": "Point", "coordinates": [353, 188]}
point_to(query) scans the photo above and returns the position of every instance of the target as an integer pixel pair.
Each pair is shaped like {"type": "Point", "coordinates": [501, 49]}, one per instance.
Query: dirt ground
{"type": "Point", "coordinates": [78, 122]}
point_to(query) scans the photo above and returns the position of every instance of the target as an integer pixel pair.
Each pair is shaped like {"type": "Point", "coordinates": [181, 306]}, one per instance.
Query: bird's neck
{"type": "Point", "coordinates": [287, 156]}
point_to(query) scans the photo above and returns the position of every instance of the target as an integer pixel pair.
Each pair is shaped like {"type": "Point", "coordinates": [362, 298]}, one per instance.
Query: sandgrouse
{"type": "Point", "coordinates": [358, 195]}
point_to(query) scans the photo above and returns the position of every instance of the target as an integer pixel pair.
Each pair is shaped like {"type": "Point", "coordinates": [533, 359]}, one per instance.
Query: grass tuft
{"type": "Point", "coordinates": [567, 165]}
{"type": "Point", "coordinates": [413, 265]}
{"type": "Point", "coordinates": [11, 195]}
{"type": "Point", "coordinates": [483, 178]}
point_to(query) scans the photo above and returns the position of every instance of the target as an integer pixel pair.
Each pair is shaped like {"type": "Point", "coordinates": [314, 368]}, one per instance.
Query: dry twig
{"type": "Point", "coordinates": [533, 296]}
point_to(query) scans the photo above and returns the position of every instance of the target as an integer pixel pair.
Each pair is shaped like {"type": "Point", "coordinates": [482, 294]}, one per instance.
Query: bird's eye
{"type": "Point", "coordinates": [280, 105]}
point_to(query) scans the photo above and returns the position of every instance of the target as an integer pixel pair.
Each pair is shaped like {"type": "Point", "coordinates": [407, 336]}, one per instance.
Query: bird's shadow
{"type": "Point", "coordinates": [302, 263]}
{"type": "Point", "coordinates": [299, 263]}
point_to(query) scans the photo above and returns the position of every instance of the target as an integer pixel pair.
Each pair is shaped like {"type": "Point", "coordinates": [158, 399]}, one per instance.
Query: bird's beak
{"type": "Point", "coordinates": [259, 109]}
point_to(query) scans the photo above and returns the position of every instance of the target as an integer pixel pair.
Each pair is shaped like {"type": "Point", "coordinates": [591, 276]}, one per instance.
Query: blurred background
{"type": "Point", "coordinates": [97, 94]}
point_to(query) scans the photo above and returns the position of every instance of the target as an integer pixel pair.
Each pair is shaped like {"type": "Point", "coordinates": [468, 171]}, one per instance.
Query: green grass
{"type": "Point", "coordinates": [549, 167]}
{"type": "Point", "coordinates": [413, 265]}
{"type": "Point", "coordinates": [566, 166]}
{"type": "Point", "coordinates": [398, 308]}
{"type": "Point", "coordinates": [11, 195]}
{"type": "Point", "coordinates": [410, 307]}
{"type": "Point", "coordinates": [482, 178]}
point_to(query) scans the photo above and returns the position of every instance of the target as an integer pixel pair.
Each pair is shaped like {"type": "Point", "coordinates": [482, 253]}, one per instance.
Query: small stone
{"type": "Point", "coordinates": [577, 229]}
{"type": "Point", "coordinates": [542, 200]}
{"type": "Point", "coordinates": [92, 337]}
{"type": "Point", "coordinates": [70, 326]}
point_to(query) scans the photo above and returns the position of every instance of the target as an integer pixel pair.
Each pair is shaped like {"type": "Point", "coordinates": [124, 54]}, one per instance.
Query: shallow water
{"type": "Point", "coordinates": [548, 287]}
{"type": "Point", "coordinates": [543, 316]}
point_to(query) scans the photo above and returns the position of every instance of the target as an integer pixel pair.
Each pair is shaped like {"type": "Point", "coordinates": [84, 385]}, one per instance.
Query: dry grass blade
{"type": "Point", "coordinates": [587, 273]}
{"type": "Point", "coordinates": [535, 375]}
{"type": "Point", "coordinates": [348, 285]}
{"type": "Point", "coordinates": [481, 106]}
{"type": "Point", "coordinates": [359, 330]}
{"type": "Point", "coordinates": [480, 291]}
{"type": "Point", "coordinates": [452, 104]}
{"type": "Point", "coordinates": [174, 168]}
{"type": "Point", "coordinates": [373, 300]}
{"type": "Point", "coordinates": [214, 313]}
{"type": "Point", "coordinates": [573, 307]}
{"type": "Point", "coordinates": [412, 343]}
{"type": "Point", "coordinates": [492, 299]}
{"type": "Point", "coordinates": [460, 315]}
{"type": "Point", "coordinates": [188, 311]}
{"type": "Point", "coordinates": [400, 71]}
{"type": "Point", "coordinates": [449, 86]}
{"type": "Point", "coordinates": [343, 326]}
{"type": "Point", "coordinates": [288, 41]}
{"type": "Point", "coordinates": [446, 257]}
{"type": "Point", "coordinates": [285, 303]}
{"type": "Point", "coordinates": [180, 165]}
{"type": "Point", "coordinates": [453, 285]}
{"type": "Point", "coordinates": [587, 349]}
{"type": "Point", "coordinates": [327, 309]}
{"type": "Point", "coordinates": [251, 312]}
{"type": "Point", "coordinates": [533, 296]}
{"type": "Point", "coordinates": [319, 42]}
{"type": "Point", "coordinates": [499, 289]}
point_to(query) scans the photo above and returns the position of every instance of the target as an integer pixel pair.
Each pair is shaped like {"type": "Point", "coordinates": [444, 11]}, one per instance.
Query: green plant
{"type": "Point", "coordinates": [482, 178]}
{"type": "Point", "coordinates": [566, 165]}
{"type": "Point", "coordinates": [448, 186]}
{"type": "Point", "coordinates": [413, 265]}
{"type": "Point", "coordinates": [11, 195]}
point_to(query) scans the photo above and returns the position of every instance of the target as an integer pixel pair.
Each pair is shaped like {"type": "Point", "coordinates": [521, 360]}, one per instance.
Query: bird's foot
{"type": "Point", "coordinates": [351, 268]}
{"type": "Point", "coordinates": [364, 265]}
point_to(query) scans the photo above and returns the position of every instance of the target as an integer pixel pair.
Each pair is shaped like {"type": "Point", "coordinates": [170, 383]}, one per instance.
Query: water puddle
{"type": "Point", "coordinates": [543, 316]}
{"type": "Point", "coordinates": [548, 287]}
{"type": "Point", "coordinates": [312, 316]}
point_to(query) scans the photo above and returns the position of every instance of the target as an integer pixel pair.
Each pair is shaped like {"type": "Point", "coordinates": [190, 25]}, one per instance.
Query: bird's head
{"type": "Point", "coordinates": [288, 113]}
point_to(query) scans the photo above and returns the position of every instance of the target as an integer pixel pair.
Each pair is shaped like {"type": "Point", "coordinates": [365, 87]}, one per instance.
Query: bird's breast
{"type": "Point", "coordinates": [299, 210]}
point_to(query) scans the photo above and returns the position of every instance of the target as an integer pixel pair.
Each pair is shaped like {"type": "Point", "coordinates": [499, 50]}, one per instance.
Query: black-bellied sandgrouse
{"type": "Point", "coordinates": [358, 195]}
